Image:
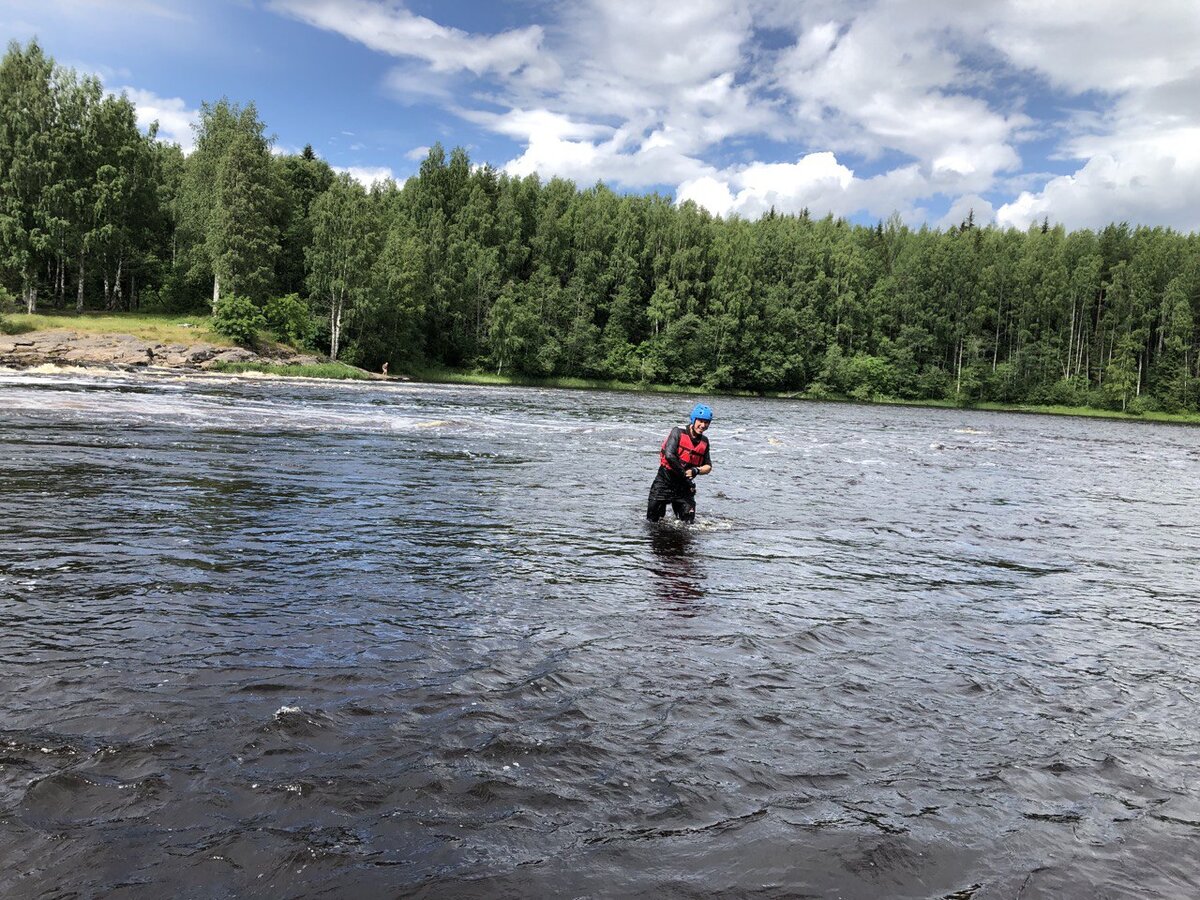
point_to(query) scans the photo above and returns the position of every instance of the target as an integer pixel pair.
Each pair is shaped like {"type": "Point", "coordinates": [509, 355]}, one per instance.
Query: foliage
{"type": "Point", "coordinates": [463, 267]}
{"type": "Point", "coordinates": [340, 256]}
{"type": "Point", "coordinates": [167, 329]}
{"type": "Point", "coordinates": [239, 318]}
{"type": "Point", "coordinates": [295, 370]}
{"type": "Point", "coordinates": [9, 325]}
{"type": "Point", "coordinates": [290, 319]}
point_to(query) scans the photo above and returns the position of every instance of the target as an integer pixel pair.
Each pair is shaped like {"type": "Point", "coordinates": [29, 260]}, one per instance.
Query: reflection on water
{"type": "Point", "coordinates": [268, 639]}
{"type": "Point", "coordinates": [679, 577]}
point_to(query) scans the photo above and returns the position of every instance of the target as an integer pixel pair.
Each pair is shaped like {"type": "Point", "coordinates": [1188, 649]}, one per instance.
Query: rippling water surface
{"type": "Point", "coordinates": [283, 640]}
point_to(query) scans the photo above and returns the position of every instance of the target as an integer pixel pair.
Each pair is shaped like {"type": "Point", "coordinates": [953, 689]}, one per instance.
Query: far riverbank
{"type": "Point", "coordinates": [157, 342]}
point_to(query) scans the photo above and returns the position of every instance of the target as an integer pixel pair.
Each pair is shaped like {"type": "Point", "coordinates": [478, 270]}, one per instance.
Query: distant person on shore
{"type": "Point", "coordinates": [385, 370]}
{"type": "Point", "coordinates": [684, 456]}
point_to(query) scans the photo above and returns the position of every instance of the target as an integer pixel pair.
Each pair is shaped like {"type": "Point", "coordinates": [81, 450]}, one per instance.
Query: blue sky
{"type": "Point", "coordinates": [1082, 112]}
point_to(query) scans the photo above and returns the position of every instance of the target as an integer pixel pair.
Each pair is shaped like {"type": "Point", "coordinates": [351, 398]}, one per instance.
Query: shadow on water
{"type": "Point", "coordinates": [678, 578]}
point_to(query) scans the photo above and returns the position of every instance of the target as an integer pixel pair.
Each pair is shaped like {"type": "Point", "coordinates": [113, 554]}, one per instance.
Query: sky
{"type": "Point", "coordinates": [1083, 112]}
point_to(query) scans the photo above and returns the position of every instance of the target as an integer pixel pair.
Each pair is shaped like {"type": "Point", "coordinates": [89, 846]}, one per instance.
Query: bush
{"type": "Point", "coordinates": [290, 320]}
{"type": "Point", "coordinates": [8, 304]}
{"type": "Point", "coordinates": [238, 318]}
{"type": "Point", "coordinates": [1064, 392]}
{"type": "Point", "coordinates": [819, 390]}
{"type": "Point", "coordinates": [1143, 404]}
{"type": "Point", "coordinates": [867, 377]}
{"type": "Point", "coordinates": [935, 384]}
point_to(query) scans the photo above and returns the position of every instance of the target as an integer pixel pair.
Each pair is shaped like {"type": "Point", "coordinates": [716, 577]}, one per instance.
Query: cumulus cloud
{"type": "Point", "coordinates": [817, 180]}
{"type": "Point", "coordinates": [367, 175]}
{"type": "Point", "coordinates": [175, 119]}
{"type": "Point", "coordinates": [1152, 179]}
{"type": "Point", "coordinates": [1138, 150]}
{"type": "Point", "coordinates": [1100, 45]}
{"type": "Point", "coordinates": [856, 107]}
{"type": "Point", "coordinates": [394, 30]}
{"type": "Point", "coordinates": [969, 205]}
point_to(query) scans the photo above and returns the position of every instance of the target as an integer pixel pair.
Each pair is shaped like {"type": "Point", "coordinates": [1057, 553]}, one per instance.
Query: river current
{"type": "Point", "coordinates": [274, 639]}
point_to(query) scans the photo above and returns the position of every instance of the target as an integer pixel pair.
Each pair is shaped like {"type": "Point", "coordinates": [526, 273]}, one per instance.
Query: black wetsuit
{"type": "Point", "coordinates": [680, 452]}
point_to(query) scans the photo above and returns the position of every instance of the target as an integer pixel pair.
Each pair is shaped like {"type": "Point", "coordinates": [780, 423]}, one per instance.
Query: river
{"type": "Point", "coordinates": [276, 639]}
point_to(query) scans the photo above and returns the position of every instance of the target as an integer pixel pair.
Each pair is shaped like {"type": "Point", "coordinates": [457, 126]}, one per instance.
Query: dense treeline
{"type": "Point", "coordinates": [463, 266]}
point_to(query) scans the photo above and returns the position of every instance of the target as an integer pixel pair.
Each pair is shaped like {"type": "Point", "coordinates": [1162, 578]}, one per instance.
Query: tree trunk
{"type": "Point", "coordinates": [996, 339]}
{"type": "Point", "coordinates": [335, 327]}
{"type": "Point", "coordinates": [1070, 339]}
{"type": "Point", "coordinates": [216, 291]}
{"type": "Point", "coordinates": [79, 286]}
{"type": "Point", "coordinates": [958, 367]}
{"type": "Point", "coordinates": [118, 297]}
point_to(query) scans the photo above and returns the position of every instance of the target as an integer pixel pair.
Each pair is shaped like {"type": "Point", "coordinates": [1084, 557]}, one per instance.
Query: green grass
{"type": "Point", "coordinates": [462, 376]}
{"type": "Point", "coordinates": [321, 370]}
{"type": "Point", "coordinates": [1088, 412]}
{"type": "Point", "coordinates": [162, 328]}
{"type": "Point", "coordinates": [189, 329]}
{"type": "Point", "coordinates": [1185, 418]}
{"type": "Point", "coordinates": [456, 376]}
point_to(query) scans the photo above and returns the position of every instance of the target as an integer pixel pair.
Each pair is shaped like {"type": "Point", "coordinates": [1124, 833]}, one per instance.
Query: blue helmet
{"type": "Point", "coordinates": [702, 412]}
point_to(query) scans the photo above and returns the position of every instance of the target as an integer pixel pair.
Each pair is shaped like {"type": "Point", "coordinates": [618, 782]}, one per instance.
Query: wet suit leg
{"type": "Point", "coordinates": [660, 495]}
{"type": "Point", "coordinates": [685, 509]}
{"type": "Point", "coordinates": [676, 491]}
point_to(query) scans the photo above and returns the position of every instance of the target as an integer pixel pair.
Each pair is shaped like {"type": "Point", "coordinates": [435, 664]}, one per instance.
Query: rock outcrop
{"type": "Point", "coordinates": [124, 351]}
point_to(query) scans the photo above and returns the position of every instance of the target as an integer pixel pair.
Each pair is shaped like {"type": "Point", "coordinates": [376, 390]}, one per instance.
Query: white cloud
{"type": "Point", "coordinates": [1140, 148]}
{"type": "Point", "coordinates": [1153, 179]}
{"type": "Point", "coordinates": [398, 32]}
{"type": "Point", "coordinates": [174, 118]}
{"type": "Point", "coordinates": [526, 124]}
{"type": "Point", "coordinates": [367, 175]}
{"type": "Point", "coordinates": [708, 191]}
{"type": "Point", "coordinates": [818, 182]}
{"type": "Point", "coordinates": [851, 107]}
{"type": "Point", "coordinates": [888, 79]}
{"type": "Point", "coordinates": [968, 205]}
{"type": "Point", "coordinates": [1101, 45]}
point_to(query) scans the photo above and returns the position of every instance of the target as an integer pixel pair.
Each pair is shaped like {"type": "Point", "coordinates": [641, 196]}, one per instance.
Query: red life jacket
{"type": "Point", "coordinates": [691, 450]}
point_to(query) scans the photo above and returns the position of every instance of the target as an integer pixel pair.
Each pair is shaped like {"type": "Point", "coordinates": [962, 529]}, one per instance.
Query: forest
{"type": "Point", "coordinates": [465, 267]}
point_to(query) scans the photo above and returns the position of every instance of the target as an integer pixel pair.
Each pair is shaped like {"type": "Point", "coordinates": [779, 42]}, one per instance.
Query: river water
{"type": "Point", "coordinates": [266, 639]}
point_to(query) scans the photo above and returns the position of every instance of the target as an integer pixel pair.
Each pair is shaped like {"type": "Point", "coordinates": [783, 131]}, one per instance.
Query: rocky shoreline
{"type": "Point", "coordinates": [124, 351]}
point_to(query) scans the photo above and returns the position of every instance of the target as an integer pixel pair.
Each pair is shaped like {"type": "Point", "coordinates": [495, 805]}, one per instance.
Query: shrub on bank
{"type": "Point", "coordinates": [8, 304]}
{"type": "Point", "coordinates": [290, 320]}
{"type": "Point", "coordinates": [238, 318]}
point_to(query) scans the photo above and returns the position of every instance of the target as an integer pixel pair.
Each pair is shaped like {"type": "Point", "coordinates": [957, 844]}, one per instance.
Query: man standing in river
{"type": "Point", "coordinates": [684, 455]}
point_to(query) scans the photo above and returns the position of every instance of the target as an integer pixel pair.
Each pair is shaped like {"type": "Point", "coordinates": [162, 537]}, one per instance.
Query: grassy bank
{"type": "Point", "coordinates": [161, 328]}
{"type": "Point", "coordinates": [458, 376]}
{"type": "Point", "coordinates": [1088, 412]}
{"type": "Point", "coordinates": [187, 329]}
{"type": "Point", "coordinates": [453, 376]}
{"type": "Point", "coordinates": [335, 370]}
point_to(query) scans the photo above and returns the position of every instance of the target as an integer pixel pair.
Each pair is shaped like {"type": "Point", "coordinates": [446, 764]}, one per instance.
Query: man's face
{"type": "Point", "coordinates": [700, 425]}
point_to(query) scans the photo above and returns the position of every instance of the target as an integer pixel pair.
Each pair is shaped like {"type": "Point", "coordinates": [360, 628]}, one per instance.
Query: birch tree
{"type": "Point", "coordinates": [342, 253]}
{"type": "Point", "coordinates": [27, 125]}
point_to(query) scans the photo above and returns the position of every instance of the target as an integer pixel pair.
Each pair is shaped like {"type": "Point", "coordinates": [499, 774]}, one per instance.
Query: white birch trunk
{"type": "Point", "coordinates": [335, 327]}
{"type": "Point", "coordinates": [79, 286]}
